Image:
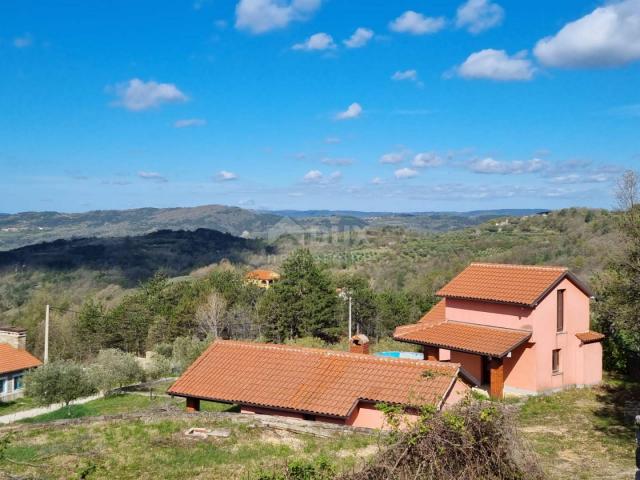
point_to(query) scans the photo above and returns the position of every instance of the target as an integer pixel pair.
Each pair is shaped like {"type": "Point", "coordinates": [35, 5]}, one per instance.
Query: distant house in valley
{"type": "Point", "coordinates": [14, 362]}
{"type": "Point", "coordinates": [316, 384]}
{"type": "Point", "coordinates": [262, 278]}
{"type": "Point", "coordinates": [515, 328]}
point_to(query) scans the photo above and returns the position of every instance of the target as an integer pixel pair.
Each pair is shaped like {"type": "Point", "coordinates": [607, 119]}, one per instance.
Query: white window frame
{"type": "Point", "coordinates": [13, 380]}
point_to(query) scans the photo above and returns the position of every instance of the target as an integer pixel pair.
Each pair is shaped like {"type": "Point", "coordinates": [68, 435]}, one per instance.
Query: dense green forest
{"type": "Point", "coordinates": [192, 282]}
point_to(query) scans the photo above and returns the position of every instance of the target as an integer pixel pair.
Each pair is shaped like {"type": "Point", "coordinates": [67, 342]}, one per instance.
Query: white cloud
{"type": "Point", "coordinates": [190, 122]}
{"type": "Point", "coordinates": [337, 161]}
{"type": "Point", "coordinates": [316, 176]}
{"type": "Point", "coordinates": [225, 176]}
{"type": "Point", "coordinates": [497, 65]}
{"type": "Point", "coordinates": [313, 176]}
{"type": "Point", "coordinates": [353, 111]}
{"type": "Point", "coordinates": [427, 159]}
{"type": "Point", "coordinates": [479, 15]}
{"type": "Point", "coordinates": [607, 37]}
{"type": "Point", "coordinates": [574, 178]}
{"type": "Point", "coordinates": [416, 23]}
{"type": "Point", "coordinates": [153, 176]}
{"type": "Point", "coordinates": [138, 95]}
{"type": "Point", "coordinates": [317, 41]}
{"type": "Point", "coordinates": [393, 157]}
{"type": "Point", "coordinates": [332, 140]}
{"type": "Point", "coordinates": [405, 173]}
{"type": "Point", "coordinates": [491, 165]}
{"type": "Point", "coordinates": [23, 41]}
{"type": "Point", "coordinates": [377, 181]}
{"type": "Point", "coordinates": [359, 38]}
{"type": "Point", "coordinates": [405, 75]}
{"type": "Point", "coordinates": [260, 16]}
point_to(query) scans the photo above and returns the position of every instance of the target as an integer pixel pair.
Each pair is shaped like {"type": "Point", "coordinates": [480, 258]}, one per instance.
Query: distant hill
{"type": "Point", "coordinates": [17, 230]}
{"type": "Point", "coordinates": [133, 258]}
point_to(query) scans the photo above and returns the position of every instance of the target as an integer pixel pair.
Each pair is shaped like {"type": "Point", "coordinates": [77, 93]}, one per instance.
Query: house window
{"type": "Point", "coordinates": [560, 316]}
{"type": "Point", "coordinates": [555, 361]}
{"type": "Point", "coordinates": [1, 385]}
{"type": "Point", "coordinates": [17, 382]}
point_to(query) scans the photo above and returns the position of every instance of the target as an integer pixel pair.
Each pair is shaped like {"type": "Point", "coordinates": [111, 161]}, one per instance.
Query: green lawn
{"type": "Point", "coordinates": [123, 403]}
{"type": "Point", "coordinates": [583, 433]}
{"type": "Point", "coordinates": [18, 405]}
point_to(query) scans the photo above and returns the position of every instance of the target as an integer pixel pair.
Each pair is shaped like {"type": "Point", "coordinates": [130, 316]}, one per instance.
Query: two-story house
{"type": "Point", "coordinates": [515, 328]}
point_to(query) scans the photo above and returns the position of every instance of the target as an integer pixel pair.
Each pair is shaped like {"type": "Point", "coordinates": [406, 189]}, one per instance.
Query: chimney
{"type": "Point", "coordinates": [14, 336]}
{"type": "Point", "coordinates": [359, 344]}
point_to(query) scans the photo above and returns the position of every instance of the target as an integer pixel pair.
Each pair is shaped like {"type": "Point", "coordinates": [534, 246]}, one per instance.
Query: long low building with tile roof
{"type": "Point", "coordinates": [514, 328]}
{"type": "Point", "coordinates": [316, 384]}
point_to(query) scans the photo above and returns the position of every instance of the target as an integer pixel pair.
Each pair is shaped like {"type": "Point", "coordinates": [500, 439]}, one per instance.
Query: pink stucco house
{"type": "Point", "coordinates": [515, 328]}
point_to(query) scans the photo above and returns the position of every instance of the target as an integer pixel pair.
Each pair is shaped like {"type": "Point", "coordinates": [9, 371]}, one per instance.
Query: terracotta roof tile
{"type": "Point", "coordinates": [14, 360]}
{"type": "Point", "coordinates": [465, 337]}
{"type": "Point", "coordinates": [590, 337]}
{"type": "Point", "coordinates": [435, 315]}
{"type": "Point", "coordinates": [262, 275]}
{"type": "Point", "coordinates": [310, 380]}
{"type": "Point", "coordinates": [518, 284]}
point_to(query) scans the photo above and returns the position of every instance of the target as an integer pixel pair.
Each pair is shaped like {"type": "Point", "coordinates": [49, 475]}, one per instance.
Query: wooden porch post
{"type": "Point", "coordinates": [193, 404]}
{"type": "Point", "coordinates": [431, 353]}
{"type": "Point", "coordinates": [496, 380]}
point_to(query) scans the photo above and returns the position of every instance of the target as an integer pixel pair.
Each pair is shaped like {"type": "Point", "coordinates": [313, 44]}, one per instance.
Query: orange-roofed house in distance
{"type": "Point", "coordinates": [14, 362]}
{"type": "Point", "coordinates": [262, 278]}
{"type": "Point", "coordinates": [514, 328]}
{"type": "Point", "coordinates": [316, 384]}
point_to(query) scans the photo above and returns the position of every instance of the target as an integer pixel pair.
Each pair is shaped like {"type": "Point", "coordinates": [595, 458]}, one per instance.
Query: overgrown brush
{"type": "Point", "coordinates": [474, 440]}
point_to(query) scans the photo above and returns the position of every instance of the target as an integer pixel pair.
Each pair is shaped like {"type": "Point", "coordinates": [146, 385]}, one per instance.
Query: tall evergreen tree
{"type": "Point", "coordinates": [303, 303]}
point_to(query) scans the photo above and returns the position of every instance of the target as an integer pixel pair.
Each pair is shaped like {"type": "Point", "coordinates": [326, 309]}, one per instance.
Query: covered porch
{"type": "Point", "coordinates": [481, 350]}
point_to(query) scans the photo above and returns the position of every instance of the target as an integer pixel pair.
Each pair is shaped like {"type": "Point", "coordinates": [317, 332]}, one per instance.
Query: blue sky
{"type": "Point", "coordinates": [377, 105]}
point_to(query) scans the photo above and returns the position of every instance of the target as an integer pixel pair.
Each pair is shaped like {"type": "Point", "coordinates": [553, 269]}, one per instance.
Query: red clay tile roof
{"type": "Point", "coordinates": [590, 337]}
{"type": "Point", "coordinates": [310, 380]}
{"type": "Point", "coordinates": [516, 284]}
{"type": "Point", "coordinates": [14, 360]}
{"type": "Point", "coordinates": [435, 315]}
{"type": "Point", "coordinates": [464, 337]}
{"type": "Point", "coordinates": [262, 275]}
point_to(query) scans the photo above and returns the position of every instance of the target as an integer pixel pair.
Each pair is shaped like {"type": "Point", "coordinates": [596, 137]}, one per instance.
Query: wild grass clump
{"type": "Point", "coordinates": [473, 440]}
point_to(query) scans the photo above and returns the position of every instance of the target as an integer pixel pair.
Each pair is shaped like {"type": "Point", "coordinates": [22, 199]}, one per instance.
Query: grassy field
{"type": "Point", "coordinates": [18, 405]}
{"type": "Point", "coordinates": [584, 433]}
{"type": "Point", "coordinates": [578, 434]}
{"type": "Point", "coordinates": [138, 449]}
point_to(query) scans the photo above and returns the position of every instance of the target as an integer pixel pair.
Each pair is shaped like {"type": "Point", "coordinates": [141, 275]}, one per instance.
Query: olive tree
{"type": "Point", "coordinates": [114, 368]}
{"type": "Point", "coordinates": [60, 381]}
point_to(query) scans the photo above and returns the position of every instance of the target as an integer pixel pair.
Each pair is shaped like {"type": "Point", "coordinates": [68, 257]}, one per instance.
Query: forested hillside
{"type": "Point", "coordinates": [393, 273]}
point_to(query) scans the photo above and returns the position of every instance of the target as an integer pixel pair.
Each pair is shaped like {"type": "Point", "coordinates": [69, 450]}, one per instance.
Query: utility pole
{"type": "Point", "coordinates": [349, 336]}
{"type": "Point", "coordinates": [46, 334]}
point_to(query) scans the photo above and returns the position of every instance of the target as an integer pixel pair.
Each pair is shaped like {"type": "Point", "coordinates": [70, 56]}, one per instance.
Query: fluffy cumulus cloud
{"type": "Point", "coordinates": [317, 177]}
{"type": "Point", "coordinates": [137, 95]}
{"type": "Point", "coordinates": [190, 122]}
{"type": "Point", "coordinates": [497, 65]}
{"type": "Point", "coordinates": [491, 165]}
{"type": "Point", "coordinates": [359, 38]}
{"type": "Point", "coordinates": [416, 23]}
{"type": "Point", "coordinates": [152, 176]}
{"type": "Point", "coordinates": [427, 159]}
{"type": "Point", "coordinates": [260, 16]}
{"type": "Point", "coordinates": [393, 157]}
{"type": "Point", "coordinates": [402, 173]}
{"type": "Point", "coordinates": [479, 15]}
{"type": "Point", "coordinates": [353, 111]}
{"type": "Point", "coordinates": [405, 75]}
{"type": "Point", "coordinates": [226, 176]}
{"type": "Point", "coordinates": [607, 37]}
{"type": "Point", "coordinates": [317, 41]}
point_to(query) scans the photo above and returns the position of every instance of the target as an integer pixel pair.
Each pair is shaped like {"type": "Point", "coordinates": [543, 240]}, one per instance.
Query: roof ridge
{"type": "Point", "coordinates": [521, 266]}
{"type": "Point", "coordinates": [337, 353]}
